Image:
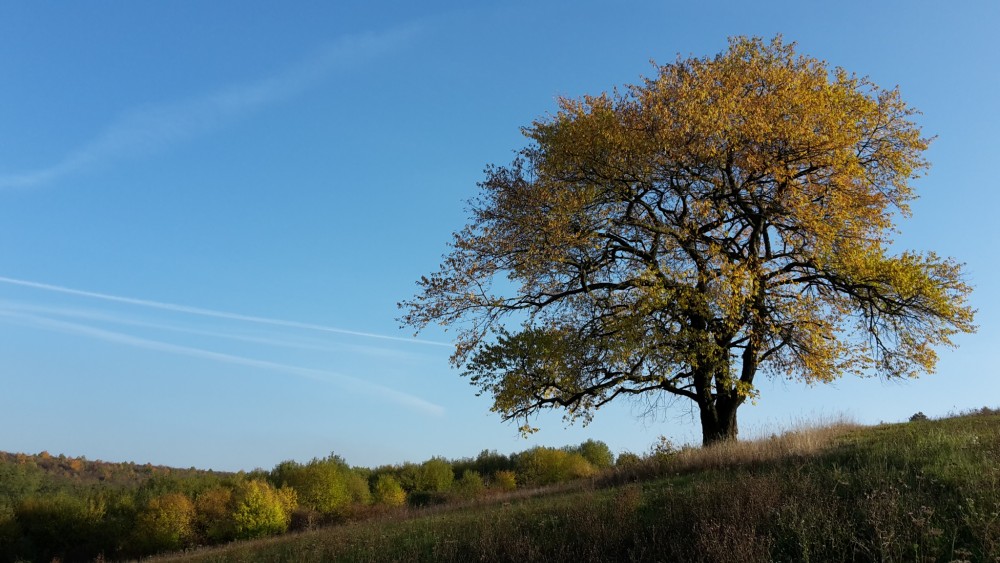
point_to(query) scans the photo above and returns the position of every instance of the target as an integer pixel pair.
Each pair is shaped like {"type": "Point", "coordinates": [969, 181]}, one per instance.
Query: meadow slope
{"type": "Point", "coordinates": [927, 490]}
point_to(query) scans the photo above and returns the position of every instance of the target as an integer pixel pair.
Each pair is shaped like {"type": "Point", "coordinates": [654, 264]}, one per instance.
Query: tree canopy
{"type": "Point", "coordinates": [729, 216]}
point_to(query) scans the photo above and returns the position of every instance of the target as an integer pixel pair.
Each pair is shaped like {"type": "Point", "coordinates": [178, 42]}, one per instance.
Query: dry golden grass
{"type": "Point", "coordinates": [805, 440]}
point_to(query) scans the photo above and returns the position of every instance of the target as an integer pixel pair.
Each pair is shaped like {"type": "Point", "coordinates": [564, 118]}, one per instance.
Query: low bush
{"type": "Point", "coordinates": [505, 480]}
{"type": "Point", "coordinates": [258, 509]}
{"type": "Point", "coordinates": [166, 522]}
{"type": "Point", "coordinates": [388, 492]}
{"type": "Point", "coordinates": [470, 485]}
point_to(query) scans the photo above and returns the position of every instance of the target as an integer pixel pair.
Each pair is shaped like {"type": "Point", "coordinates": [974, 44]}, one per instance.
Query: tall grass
{"type": "Point", "coordinates": [804, 439]}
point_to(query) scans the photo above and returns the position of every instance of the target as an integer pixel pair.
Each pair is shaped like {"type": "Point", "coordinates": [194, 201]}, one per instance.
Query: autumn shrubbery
{"type": "Point", "coordinates": [505, 480]}
{"type": "Point", "coordinates": [166, 522]}
{"type": "Point", "coordinates": [545, 466]}
{"type": "Point", "coordinates": [388, 492]}
{"type": "Point", "coordinates": [328, 486]}
{"type": "Point", "coordinates": [43, 520]}
{"type": "Point", "coordinates": [258, 509]}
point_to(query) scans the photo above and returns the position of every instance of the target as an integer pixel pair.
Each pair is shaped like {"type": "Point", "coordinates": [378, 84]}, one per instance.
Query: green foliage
{"type": "Point", "coordinates": [166, 522]}
{"type": "Point", "coordinates": [357, 488]}
{"type": "Point", "coordinates": [663, 448]}
{"type": "Point", "coordinates": [64, 473]}
{"type": "Point", "coordinates": [469, 485]}
{"type": "Point", "coordinates": [505, 480]}
{"type": "Point", "coordinates": [60, 526]}
{"type": "Point", "coordinates": [10, 534]}
{"type": "Point", "coordinates": [596, 452]}
{"type": "Point", "coordinates": [409, 476]}
{"type": "Point", "coordinates": [261, 510]}
{"type": "Point", "coordinates": [213, 515]}
{"type": "Point", "coordinates": [18, 480]}
{"type": "Point", "coordinates": [435, 476]}
{"type": "Point", "coordinates": [627, 460]}
{"type": "Point", "coordinates": [388, 491]}
{"type": "Point", "coordinates": [489, 462]}
{"type": "Point", "coordinates": [545, 466]}
{"type": "Point", "coordinates": [325, 485]}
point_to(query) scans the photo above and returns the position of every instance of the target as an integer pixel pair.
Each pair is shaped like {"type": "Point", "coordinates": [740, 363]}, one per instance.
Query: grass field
{"type": "Point", "coordinates": [919, 491]}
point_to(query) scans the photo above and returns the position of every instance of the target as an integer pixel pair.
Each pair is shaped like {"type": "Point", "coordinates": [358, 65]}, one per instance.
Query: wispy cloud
{"type": "Point", "coordinates": [212, 312]}
{"type": "Point", "coordinates": [149, 129]}
{"type": "Point", "coordinates": [387, 393]}
{"type": "Point", "coordinates": [272, 340]}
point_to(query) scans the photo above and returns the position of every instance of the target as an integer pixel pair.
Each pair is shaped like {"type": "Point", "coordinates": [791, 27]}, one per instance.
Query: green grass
{"type": "Point", "coordinates": [921, 491]}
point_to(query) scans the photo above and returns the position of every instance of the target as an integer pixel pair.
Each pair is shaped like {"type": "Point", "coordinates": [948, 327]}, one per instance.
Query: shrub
{"type": "Point", "coordinates": [388, 491]}
{"type": "Point", "coordinates": [544, 466]}
{"type": "Point", "coordinates": [663, 448]}
{"type": "Point", "coordinates": [435, 475]}
{"type": "Point", "coordinates": [409, 476]}
{"type": "Point", "coordinates": [505, 480]}
{"type": "Point", "coordinates": [357, 488]}
{"type": "Point", "coordinates": [488, 462]}
{"type": "Point", "coordinates": [10, 533]}
{"type": "Point", "coordinates": [470, 485]}
{"type": "Point", "coordinates": [596, 452]}
{"type": "Point", "coordinates": [19, 481]}
{"type": "Point", "coordinates": [627, 460]}
{"type": "Point", "coordinates": [261, 510]}
{"type": "Point", "coordinates": [304, 519]}
{"type": "Point", "coordinates": [576, 467]}
{"type": "Point", "coordinates": [428, 498]}
{"type": "Point", "coordinates": [213, 516]}
{"type": "Point", "coordinates": [918, 416]}
{"type": "Point", "coordinates": [59, 526]}
{"type": "Point", "coordinates": [325, 485]}
{"type": "Point", "coordinates": [166, 523]}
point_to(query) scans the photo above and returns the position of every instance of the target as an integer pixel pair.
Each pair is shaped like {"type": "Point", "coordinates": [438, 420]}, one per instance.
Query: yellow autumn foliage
{"type": "Point", "coordinates": [728, 216]}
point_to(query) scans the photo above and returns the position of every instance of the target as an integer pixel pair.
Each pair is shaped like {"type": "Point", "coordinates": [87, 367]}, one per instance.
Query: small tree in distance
{"type": "Point", "coordinates": [435, 475]}
{"type": "Point", "coordinates": [388, 492]}
{"type": "Point", "coordinates": [469, 485]}
{"type": "Point", "coordinates": [728, 217]}
{"type": "Point", "coordinates": [166, 522]}
{"type": "Point", "coordinates": [258, 509]}
{"type": "Point", "coordinates": [597, 453]}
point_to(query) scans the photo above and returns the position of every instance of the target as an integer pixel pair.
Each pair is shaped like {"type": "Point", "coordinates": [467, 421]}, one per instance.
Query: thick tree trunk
{"type": "Point", "coordinates": [718, 421]}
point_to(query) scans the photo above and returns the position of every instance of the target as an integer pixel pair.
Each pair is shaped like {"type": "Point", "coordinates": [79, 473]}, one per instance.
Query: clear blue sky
{"type": "Point", "coordinates": [209, 210]}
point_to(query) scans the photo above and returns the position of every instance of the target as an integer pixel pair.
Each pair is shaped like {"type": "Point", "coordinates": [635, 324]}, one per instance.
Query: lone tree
{"type": "Point", "coordinates": [728, 217]}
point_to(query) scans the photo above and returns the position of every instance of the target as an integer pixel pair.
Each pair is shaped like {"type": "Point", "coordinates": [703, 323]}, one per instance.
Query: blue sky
{"type": "Point", "coordinates": [208, 211]}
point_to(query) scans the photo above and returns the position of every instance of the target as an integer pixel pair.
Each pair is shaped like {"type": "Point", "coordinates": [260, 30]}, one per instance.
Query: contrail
{"type": "Point", "coordinates": [101, 316]}
{"type": "Point", "coordinates": [321, 375]}
{"type": "Point", "coordinates": [212, 312]}
{"type": "Point", "coordinates": [150, 128]}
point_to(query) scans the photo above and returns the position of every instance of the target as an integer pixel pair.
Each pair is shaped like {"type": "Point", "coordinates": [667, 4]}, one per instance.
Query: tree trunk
{"type": "Point", "coordinates": [718, 420]}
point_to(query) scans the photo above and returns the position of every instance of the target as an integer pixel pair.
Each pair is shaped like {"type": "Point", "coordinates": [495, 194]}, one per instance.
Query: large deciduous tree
{"type": "Point", "coordinates": [730, 216]}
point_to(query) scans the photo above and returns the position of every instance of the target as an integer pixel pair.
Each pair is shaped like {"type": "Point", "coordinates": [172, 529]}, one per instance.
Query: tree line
{"type": "Point", "coordinates": [62, 507]}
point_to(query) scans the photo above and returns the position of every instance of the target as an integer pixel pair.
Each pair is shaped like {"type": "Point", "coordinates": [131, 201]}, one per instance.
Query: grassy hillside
{"type": "Point", "coordinates": [919, 491]}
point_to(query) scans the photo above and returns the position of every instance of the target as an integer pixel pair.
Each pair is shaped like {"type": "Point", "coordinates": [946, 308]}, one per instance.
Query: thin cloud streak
{"type": "Point", "coordinates": [148, 129]}
{"type": "Point", "coordinates": [103, 317]}
{"type": "Point", "coordinates": [212, 312]}
{"type": "Point", "coordinates": [382, 391]}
